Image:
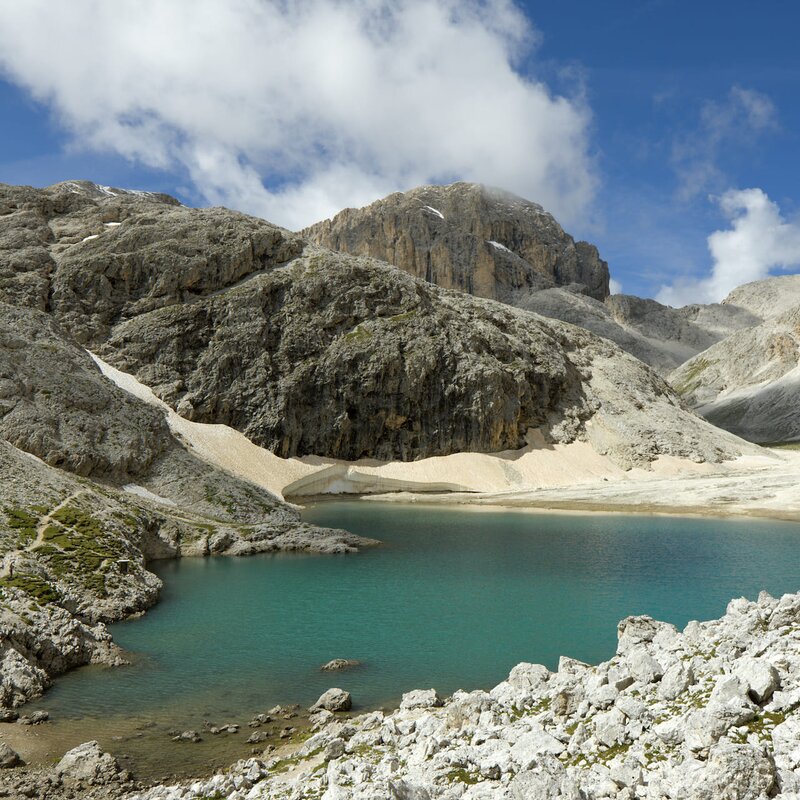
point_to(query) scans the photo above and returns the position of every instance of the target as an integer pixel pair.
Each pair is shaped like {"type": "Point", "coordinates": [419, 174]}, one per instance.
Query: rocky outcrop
{"type": "Point", "coordinates": [56, 405]}
{"type": "Point", "coordinates": [91, 256]}
{"type": "Point", "coordinates": [468, 237]}
{"type": "Point", "coordinates": [749, 383]}
{"type": "Point", "coordinates": [707, 713]}
{"type": "Point", "coordinates": [346, 357]}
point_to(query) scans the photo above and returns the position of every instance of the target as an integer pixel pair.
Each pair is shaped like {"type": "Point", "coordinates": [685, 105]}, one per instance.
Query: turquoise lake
{"type": "Point", "coordinates": [452, 599]}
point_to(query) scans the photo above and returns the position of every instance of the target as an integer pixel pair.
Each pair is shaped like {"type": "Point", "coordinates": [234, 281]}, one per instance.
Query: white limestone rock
{"type": "Point", "coordinates": [89, 765]}
{"type": "Point", "coordinates": [421, 698]}
{"type": "Point", "coordinates": [334, 700]}
{"type": "Point", "coordinates": [760, 677]}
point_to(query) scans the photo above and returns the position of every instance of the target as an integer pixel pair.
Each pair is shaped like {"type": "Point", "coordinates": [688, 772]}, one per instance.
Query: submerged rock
{"type": "Point", "coordinates": [192, 736]}
{"type": "Point", "coordinates": [337, 664]}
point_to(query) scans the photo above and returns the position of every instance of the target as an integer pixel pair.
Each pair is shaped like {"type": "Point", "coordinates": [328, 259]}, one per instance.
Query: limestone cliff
{"type": "Point", "coordinates": [469, 237]}
{"type": "Point", "coordinates": [493, 244]}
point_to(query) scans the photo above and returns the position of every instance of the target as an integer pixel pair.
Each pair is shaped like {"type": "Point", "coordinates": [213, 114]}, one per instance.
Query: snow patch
{"type": "Point", "coordinates": [499, 246]}
{"type": "Point", "coordinates": [89, 238]}
{"type": "Point", "coordinates": [134, 488]}
{"type": "Point", "coordinates": [433, 211]}
{"type": "Point", "coordinates": [112, 224]}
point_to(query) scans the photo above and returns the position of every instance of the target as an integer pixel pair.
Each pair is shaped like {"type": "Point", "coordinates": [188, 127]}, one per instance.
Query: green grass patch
{"type": "Point", "coordinates": [357, 335]}
{"type": "Point", "coordinates": [82, 522]}
{"type": "Point", "coordinates": [461, 775]}
{"type": "Point", "coordinates": [691, 376]}
{"type": "Point", "coordinates": [33, 585]}
{"type": "Point", "coordinates": [78, 549]}
{"type": "Point", "coordinates": [405, 317]}
{"type": "Point", "coordinates": [23, 523]}
{"type": "Point", "coordinates": [615, 750]}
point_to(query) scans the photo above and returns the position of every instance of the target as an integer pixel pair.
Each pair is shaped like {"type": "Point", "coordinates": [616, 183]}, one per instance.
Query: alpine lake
{"type": "Point", "coordinates": [452, 598]}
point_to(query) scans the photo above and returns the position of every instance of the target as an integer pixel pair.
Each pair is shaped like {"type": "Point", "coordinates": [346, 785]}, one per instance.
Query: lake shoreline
{"type": "Point", "coordinates": [224, 751]}
{"type": "Point", "coordinates": [741, 491]}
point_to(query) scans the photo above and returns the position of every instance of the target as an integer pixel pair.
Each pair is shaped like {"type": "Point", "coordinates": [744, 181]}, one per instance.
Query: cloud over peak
{"type": "Point", "coordinates": [758, 241]}
{"type": "Point", "coordinates": [295, 110]}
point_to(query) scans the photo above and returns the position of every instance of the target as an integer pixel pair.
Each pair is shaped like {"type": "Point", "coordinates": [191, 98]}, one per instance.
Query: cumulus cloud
{"type": "Point", "coordinates": [735, 121]}
{"type": "Point", "coordinates": [295, 110]}
{"type": "Point", "coordinates": [758, 241]}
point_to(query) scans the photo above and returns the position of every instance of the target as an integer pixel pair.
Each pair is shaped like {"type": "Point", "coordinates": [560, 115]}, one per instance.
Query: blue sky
{"type": "Point", "coordinates": [640, 124]}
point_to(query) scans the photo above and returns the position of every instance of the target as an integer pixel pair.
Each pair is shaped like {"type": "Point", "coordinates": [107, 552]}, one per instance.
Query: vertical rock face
{"type": "Point", "coordinates": [468, 237]}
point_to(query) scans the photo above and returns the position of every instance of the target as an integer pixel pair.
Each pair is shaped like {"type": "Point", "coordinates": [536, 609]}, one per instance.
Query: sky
{"type": "Point", "coordinates": [666, 132]}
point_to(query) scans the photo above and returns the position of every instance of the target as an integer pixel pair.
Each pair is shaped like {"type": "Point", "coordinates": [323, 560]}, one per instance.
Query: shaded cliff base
{"type": "Point", "coordinates": [764, 482]}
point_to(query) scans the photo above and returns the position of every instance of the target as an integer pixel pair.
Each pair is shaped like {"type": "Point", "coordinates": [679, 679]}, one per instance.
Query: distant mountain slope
{"type": "Point", "coordinates": [768, 297]}
{"type": "Point", "coordinates": [749, 383]}
{"type": "Point", "coordinates": [469, 237]}
{"type": "Point", "coordinates": [661, 336]}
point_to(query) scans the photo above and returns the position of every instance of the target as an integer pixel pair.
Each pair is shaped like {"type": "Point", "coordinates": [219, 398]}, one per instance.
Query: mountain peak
{"type": "Point", "coordinates": [467, 236]}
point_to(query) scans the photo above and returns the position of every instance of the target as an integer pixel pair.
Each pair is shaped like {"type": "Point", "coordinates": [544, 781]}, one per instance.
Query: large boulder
{"type": "Point", "coordinates": [334, 700]}
{"type": "Point", "coordinates": [8, 757]}
{"type": "Point", "coordinates": [88, 764]}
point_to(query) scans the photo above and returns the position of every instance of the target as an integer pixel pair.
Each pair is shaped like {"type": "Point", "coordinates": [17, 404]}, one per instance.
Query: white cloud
{"type": "Point", "coordinates": [614, 286]}
{"type": "Point", "coordinates": [758, 241]}
{"type": "Point", "coordinates": [327, 102]}
{"type": "Point", "coordinates": [736, 121]}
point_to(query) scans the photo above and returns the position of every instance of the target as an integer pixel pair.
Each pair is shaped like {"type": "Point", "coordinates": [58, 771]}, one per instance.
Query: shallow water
{"type": "Point", "coordinates": [453, 599]}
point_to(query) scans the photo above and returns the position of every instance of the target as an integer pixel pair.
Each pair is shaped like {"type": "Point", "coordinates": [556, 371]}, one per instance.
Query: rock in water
{"type": "Point", "coordinates": [336, 664]}
{"type": "Point", "coordinates": [333, 700]}
{"type": "Point", "coordinates": [469, 237]}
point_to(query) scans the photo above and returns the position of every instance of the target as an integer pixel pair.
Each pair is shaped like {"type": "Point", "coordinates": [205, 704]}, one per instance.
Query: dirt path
{"type": "Point", "coordinates": [41, 527]}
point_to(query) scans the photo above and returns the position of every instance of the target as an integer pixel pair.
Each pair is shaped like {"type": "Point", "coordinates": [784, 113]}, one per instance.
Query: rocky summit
{"type": "Point", "coordinates": [493, 244]}
{"type": "Point", "coordinates": [469, 237]}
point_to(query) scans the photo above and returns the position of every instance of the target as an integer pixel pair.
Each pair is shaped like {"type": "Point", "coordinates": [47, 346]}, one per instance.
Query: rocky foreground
{"type": "Point", "coordinates": [710, 713]}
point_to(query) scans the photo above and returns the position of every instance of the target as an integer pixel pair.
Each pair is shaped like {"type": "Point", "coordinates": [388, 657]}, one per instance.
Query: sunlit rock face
{"type": "Point", "coordinates": [469, 237]}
